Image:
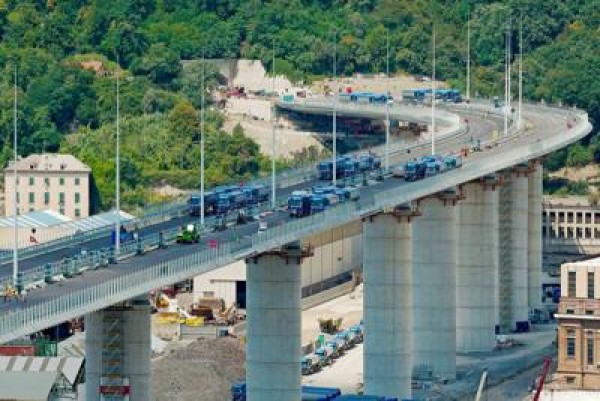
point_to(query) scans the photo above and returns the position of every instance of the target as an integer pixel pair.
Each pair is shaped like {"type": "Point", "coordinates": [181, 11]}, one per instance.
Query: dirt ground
{"type": "Point", "coordinates": [204, 370]}
{"type": "Point", "coordinates": [289, 140]}
{"type": "Point", "coordinates": [395, 85]}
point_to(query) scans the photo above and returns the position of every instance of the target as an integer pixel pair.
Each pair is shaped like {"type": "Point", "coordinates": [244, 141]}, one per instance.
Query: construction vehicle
{"type": "Point", "coordinates": [226, 317]}
{"type": "Point", "coordinates": [188, 235]}
{"type": "Point", "coordinates": [311, 363]}
{"type": "Point", "coordinates": [169, 310]}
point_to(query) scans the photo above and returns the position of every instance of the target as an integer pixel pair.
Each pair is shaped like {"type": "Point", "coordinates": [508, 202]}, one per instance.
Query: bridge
{"type": "Point", "coordinates": [446, 259]}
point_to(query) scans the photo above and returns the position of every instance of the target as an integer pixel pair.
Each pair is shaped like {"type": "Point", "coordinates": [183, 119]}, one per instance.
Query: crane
{"type": "Point", "coordinates": [547, 362]}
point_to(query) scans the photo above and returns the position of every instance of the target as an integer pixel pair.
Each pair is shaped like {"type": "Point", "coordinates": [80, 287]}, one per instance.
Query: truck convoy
{"type": "Point", "coordinates": [305, 203]}
{"type": "Point", "coordinates": [420, 95]}
{"type": "Point", "coordinates": [228, 198]}
{"type": "Point", "coordinates": [428, 166]}
{"type": "Point", "coordinates": [348, 166]}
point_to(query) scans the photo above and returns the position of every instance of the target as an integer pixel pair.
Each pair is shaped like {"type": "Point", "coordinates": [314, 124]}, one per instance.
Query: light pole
{"type": "Point", "coordinates": [468, 54]}
{"type": "Point", "coordinates": [506, 81]}
{"type": "Point", "coordinates": [273, 138]}
{"type": "Point", "coordinates": [16, 190]}
{"type": "Point", "coordinates": [433, 93]}
{"type": "Point", "coordinates": [387, 105]}
{"type": "Point", "coordinates": [118, 175]}
{"type": "Point", "coordinates": [520, 121]}
{"type": "Point", "coordinates": [335, 97]}
{"type": "Point", "coordinates": [202, 143]}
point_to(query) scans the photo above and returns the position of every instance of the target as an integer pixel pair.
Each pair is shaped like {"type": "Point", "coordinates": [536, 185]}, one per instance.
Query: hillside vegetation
{"type": "Point", "coordinates": [68, 108]}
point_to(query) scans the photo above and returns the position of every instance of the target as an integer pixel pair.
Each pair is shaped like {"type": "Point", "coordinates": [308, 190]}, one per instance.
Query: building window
{"type": "Point", "coordinates": [572, 278]}
{"type": "Point", "coordinates": [570, 380]}
{"type": "Point", "coordinates": [46, 198]}
{"type": "Point", "coordinates": [590, 351]}
{"type": "Point", "coordinates": [31, 181]}
{"type": "Point", "coordinates": [76, 181]}
{"type": "Point", "coordinates": [589, 312]}
{"type": "Point", "coordinates": [570, 344]}
{"type": "Point", "coordinates": [77, 197]}
{"type": "Point", "coordinates": [47, 181]}
{"type": "Point", "coordinates": [31, 209]}
{"type": "Point", "coordinates": [590, 285]}
{"type": "Point", "coordinates": [61, 181]}
{"type": "Point", "coordinates": [18, 197]}
{"type": "Point", "coordinates": [62, 210]}
{"type": "Point", "coordinates": [570, 311]}
{"type": "Point", "coordinates": [61, 198]}
{"type": "Point", "coordinates": [31, 197]}
{"type": "Point", "coordinates": [77, 213]}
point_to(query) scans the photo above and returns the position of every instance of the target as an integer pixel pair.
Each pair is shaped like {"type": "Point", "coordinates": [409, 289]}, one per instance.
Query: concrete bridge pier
{"type": "Point", "coordinates": [513, 284]}
{"type": "Point", "coordinates": [434, 286]}
{"type": "Point", "coordinates": [118, 351]}
{"type": "Point", "coordinates": [273, 354]}
{"type": "Point", "coordinates": [477, 265]}
{"type": "Point", "coordinates": [387, 273]}
{"type": "Point", "coordinates": [534, 266]}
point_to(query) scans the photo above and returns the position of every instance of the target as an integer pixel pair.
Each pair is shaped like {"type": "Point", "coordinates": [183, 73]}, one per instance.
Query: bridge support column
{"type": "Point", "coordinates": [118, 350]}
{"type": "Point", "coordinates": [273, 371]}
{"type": "Point", "coordinates": [514, 250]}
{"type": "Point", "coordinates": [387, 267]}
{"type": "Point", "coordinates": [434, 288]}
{"type": "Point", "coordinates": [477, 266]}
{"type": "Point", "coordinates": [535, 235]}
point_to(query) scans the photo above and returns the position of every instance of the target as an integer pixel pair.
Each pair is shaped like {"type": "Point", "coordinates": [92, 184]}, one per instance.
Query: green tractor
{"type": "Point", "coordinates": [188, 235]}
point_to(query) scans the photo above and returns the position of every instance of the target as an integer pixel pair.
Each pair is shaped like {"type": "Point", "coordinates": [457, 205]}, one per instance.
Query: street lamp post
{"type": "Point", "coordinates": [433, 93]}
{"type": "Point", "coordinates": [16, 190]}
{"type": "Point", "coordinates": [202, 142]}
{"type": "Point", "coordinates": [468, 55]}
{"type": "Point", "coordinates": [273, 139]}
{"type": "Point", "coordinates": [118, 174]}
{"type": "Point", "coordinates": [520, 121]}
{"type": "Point", "coordinates": [335, 97]}
{"type": "Point", "coordinates": [387, 105]}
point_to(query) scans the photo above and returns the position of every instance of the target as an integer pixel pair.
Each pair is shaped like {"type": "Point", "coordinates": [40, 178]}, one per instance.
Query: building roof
{"type": "Point", "coordinates": [37, 219]}
{"type": "Point", "coordinates": [97, 221]}
{"type": "Point", "coordinates": [50, 218]}
{"type": "Point", "coordinates": [18, 386]}
{"type": "Point", "coordinates": [68, 367]}
{"type": "Point", "coordinates": [49, 162]}
{"type": "Point", "coordinates": [594, 262]}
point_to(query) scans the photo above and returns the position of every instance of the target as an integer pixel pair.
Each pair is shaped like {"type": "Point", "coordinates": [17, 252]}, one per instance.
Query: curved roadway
{"type": "Point", "coordinates": [549, 133]}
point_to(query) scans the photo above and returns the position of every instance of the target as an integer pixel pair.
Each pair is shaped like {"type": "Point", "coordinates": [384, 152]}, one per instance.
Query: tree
{"type": "Point", "coordinates": [160, 63]}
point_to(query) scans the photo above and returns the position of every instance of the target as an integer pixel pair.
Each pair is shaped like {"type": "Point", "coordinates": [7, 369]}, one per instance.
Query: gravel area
{"type": "Point", "coordinates": [201, 371]}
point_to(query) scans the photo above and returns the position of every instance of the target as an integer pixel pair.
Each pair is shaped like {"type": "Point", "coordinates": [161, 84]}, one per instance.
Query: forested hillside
{"type": "Point", "coordinates": [63, 105]}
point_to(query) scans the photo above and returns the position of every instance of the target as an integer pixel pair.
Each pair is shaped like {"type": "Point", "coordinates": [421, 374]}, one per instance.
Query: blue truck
{"type": "Point", "coordinates": [210, 203]}
{"type": "Point", "coordinates": [309, 393]}
{"type": "Point", "coordinates": [256, 193]}
{"type": "Point", "coordinates": [414, 170]}
{"type": "Point", "coordinates": [124, 236]}
{"type": "Point", "coordinates": [299, 204]}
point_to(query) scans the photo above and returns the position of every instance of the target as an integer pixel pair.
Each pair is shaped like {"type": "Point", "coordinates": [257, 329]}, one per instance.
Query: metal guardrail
{"type": "Point", "coordinates": [26, 319]}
